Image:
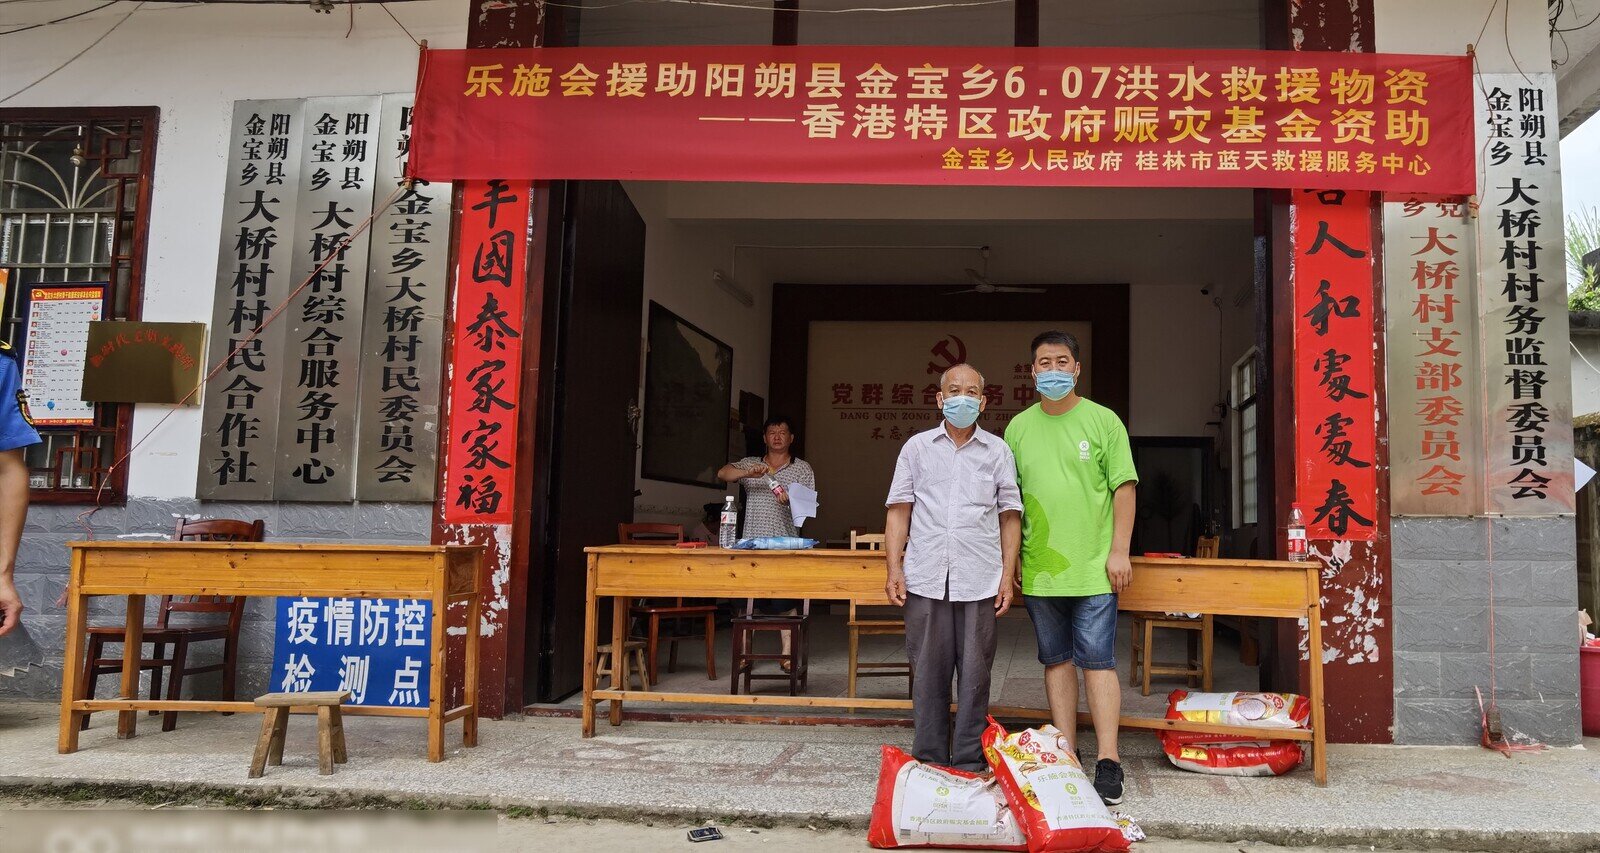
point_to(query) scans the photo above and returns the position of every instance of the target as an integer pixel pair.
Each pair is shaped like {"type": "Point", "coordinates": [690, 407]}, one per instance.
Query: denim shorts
{"type": "Point", "coordinates": [1081, 629]}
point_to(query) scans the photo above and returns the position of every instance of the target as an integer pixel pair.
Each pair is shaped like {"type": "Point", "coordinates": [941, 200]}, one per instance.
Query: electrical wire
{"type": "Point", "coordinates": [1505, 32]}
{"type": "Point", "coordinates": [1580, 355]}
{"type": "Point", "coordinates": [400, 25]}
{"type": "Point", "coordinates": [60, 19]}
{"type": "Point", "coordinates": [1492, 736]}
{"type": "Point", "coordinates": [727, 4]}
{"type": "Point", "coordinates": [1561, 7]}
{"type": "Point", "coordinates": [767, 7]}
{"type": "Point", "coordinates": [724, 4]}
{"type": "Point", "coordinates": [1486, 19]}
{"type": "Point", "coordinates": [74, 58]}
{"type": "Point", "coordinates": [377, 210]}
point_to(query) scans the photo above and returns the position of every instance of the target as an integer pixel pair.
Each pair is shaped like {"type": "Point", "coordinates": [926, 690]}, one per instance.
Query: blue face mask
{"type": "Point", "coordinates": [1055, 384]}
{"type": "Point", "coordinates": [961, 412]}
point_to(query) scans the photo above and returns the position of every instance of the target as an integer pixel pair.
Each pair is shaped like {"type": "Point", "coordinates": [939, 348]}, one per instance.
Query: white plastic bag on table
{"type": "Point", "coordinates": [1230, 754]}
{"type": "Point", "coordinates": [1258, 710]}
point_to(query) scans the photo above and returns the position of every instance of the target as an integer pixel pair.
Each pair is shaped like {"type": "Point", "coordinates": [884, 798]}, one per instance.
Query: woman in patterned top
{"type": "Point", "coordinates": [766, 509]}
{"type": "Point", "coordinates": [765, 480]}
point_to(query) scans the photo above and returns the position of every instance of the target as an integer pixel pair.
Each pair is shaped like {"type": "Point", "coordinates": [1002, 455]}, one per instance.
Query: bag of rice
{"type": "Point", "coordinates": [1260, 710]}
{"type": "Point", "coordinates": [1231, 755]}
{"type": "Point", "coordinates": [1225, 755]}
{"type": "Point", "coordinates": [921, 805]}
{"type": "Point", "coordinates": [1049, 793]}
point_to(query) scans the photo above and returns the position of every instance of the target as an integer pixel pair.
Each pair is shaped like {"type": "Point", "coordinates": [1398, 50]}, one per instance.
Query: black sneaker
{"type": "Point", "coordinates": [1108, 781]}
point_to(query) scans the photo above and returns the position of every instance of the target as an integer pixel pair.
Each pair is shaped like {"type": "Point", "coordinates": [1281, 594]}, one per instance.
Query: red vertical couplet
{"type": "Point", "coordinates": [1335, 372]}
{"type": "Point", "coordinates": [480, 450]}
{"type": "Point", "coordinates": [1356, 632]}
{"type": "Point", "coordinates": [503, 532]}
{"type": "Point", "coordinates": [1340, 468]}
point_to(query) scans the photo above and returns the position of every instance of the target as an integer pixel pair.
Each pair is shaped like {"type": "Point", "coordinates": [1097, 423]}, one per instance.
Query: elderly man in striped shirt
{"type": "Point", "coordinates": [953, 533]}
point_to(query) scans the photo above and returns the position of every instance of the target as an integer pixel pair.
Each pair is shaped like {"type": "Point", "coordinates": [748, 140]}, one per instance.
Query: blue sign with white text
{"type": "Point", "coordinates": [376, 648]}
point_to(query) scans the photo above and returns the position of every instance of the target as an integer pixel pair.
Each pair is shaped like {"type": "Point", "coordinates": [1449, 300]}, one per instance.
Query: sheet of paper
{"type": "Point", "coordinates": [802, 502]}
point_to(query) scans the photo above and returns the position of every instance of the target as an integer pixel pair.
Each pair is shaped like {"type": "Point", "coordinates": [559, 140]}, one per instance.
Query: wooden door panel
{"type": "Point", "coordinates": [588, 484]}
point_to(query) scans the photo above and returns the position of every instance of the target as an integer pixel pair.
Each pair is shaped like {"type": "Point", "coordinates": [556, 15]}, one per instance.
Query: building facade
{"type": "Point", "coordinates": [1431, 605]}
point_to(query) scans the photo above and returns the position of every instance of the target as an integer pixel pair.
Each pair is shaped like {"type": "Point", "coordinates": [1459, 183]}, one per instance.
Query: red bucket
{"type": "Point", "coordinates": [1589, 678]}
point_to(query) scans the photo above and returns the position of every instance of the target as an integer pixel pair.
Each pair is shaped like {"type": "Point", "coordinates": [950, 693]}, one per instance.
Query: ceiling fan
{"type": "Point", "coordinates": [981, 284]}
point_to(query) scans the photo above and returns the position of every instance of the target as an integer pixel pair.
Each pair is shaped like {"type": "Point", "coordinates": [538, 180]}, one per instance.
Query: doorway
{"type": "Point", "coordinates": [1167, 278]}
{"type": "Point", "coordinates": [588, 412]}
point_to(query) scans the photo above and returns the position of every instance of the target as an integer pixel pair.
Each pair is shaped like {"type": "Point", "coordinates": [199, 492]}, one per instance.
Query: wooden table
{"type": "Point", "coordinates": [441, 574]}
{"type": "Point", "coordinates": [1223, 587]}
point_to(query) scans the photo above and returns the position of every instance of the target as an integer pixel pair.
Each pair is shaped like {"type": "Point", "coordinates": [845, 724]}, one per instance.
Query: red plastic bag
{"type": "Point", "coordinates": [1049, 793]}
{"type": "Point", "coordinates": [921, 805]}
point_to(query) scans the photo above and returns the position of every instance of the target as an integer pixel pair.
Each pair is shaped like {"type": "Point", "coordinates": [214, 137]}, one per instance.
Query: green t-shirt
{"type": "Point", "coordinates": [1068, 467]}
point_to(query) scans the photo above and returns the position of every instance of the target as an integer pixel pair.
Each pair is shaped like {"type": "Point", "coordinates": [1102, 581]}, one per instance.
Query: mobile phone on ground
{"type": "Point", "coordinates": [705, 833]}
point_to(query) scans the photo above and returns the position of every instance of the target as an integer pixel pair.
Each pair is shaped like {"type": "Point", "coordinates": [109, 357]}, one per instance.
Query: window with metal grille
{"type": "Point", "coordinates": [1246, 454]}
{"type": "Point", "coordinates": [74, 207]}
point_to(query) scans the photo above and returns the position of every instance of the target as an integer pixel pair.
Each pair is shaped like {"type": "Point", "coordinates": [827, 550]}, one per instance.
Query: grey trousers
{"type": "Point", "coordinates": [945, 640]}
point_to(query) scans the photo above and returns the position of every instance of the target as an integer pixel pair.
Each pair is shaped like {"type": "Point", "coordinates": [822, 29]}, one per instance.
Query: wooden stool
{"type": "Point", "coordinates": [275, 724]}
{"type": "Point", "coordinates": [1197, 664]}
{"type": "Point", "coordinates": [633, 662]}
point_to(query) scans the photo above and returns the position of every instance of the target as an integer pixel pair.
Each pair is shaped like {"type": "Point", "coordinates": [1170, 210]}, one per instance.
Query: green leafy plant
{"type": "Point", "coordinates": [1582, 237]}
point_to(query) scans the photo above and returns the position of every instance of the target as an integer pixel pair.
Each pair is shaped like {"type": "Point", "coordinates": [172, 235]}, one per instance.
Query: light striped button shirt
{"type": "Point", "coordinates": [956, 496]}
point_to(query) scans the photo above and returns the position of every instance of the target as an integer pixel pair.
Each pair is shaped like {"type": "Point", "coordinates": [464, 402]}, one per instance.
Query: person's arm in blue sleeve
{"type": "Point", "coordinates": [16, 432]}
{"type": "Point", "coordinates": [13, 512]}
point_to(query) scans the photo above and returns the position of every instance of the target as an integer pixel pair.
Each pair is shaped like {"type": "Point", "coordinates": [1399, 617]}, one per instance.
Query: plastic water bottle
{"type": "Point", "coordinates": [1298, 548]}
{"type": "Point", "coordinates": [729, 532]}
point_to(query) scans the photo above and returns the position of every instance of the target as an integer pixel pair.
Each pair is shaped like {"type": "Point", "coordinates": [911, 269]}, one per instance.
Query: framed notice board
{"type": "Point", "coordinates": [54, 341]}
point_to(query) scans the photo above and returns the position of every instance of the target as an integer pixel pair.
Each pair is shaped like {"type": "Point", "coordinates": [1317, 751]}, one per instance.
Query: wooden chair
{"type": "Point", "coordinates": [632, 662]}
{"type": "Point", "coordinates": [751, 623]}
{"type": "Point", "coordinates": [1197, 665]}
{"type": "Point", "coordinates": [1207, 547]}
{"type": "Point", "coordinates": [180, 636]}
{"type": "Point", "coordinates": [275, 725]}
{"type": "Point", "coordinates": [674, 611]}
{"type": "Point", "coordinates": [875, 622]}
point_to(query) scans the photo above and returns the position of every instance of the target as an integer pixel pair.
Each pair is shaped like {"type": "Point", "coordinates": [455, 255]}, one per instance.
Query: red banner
{"type": "Point", "coordinates": [943, 115]}
{"type": "Point", "coordinates": [1335, 374]}
{"type": "Point", "coordinates": [480, 451]}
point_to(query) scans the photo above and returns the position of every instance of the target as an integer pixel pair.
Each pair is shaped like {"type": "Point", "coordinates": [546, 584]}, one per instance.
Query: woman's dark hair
{"type": "Point", "coordinates": [777, 420]}
{"type": "Point", "coordinates": [1065, 339]}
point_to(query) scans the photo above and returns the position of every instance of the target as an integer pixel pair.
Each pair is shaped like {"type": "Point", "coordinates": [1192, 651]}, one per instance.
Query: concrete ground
{"type": "Point", "coordinates": [820, 776]}
{"type": "Point", "coordinates": [32, 822]}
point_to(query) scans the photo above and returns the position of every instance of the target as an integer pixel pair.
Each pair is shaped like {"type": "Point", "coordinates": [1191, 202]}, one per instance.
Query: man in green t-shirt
{"type": "Point", "coordinates": [1075, 468]}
